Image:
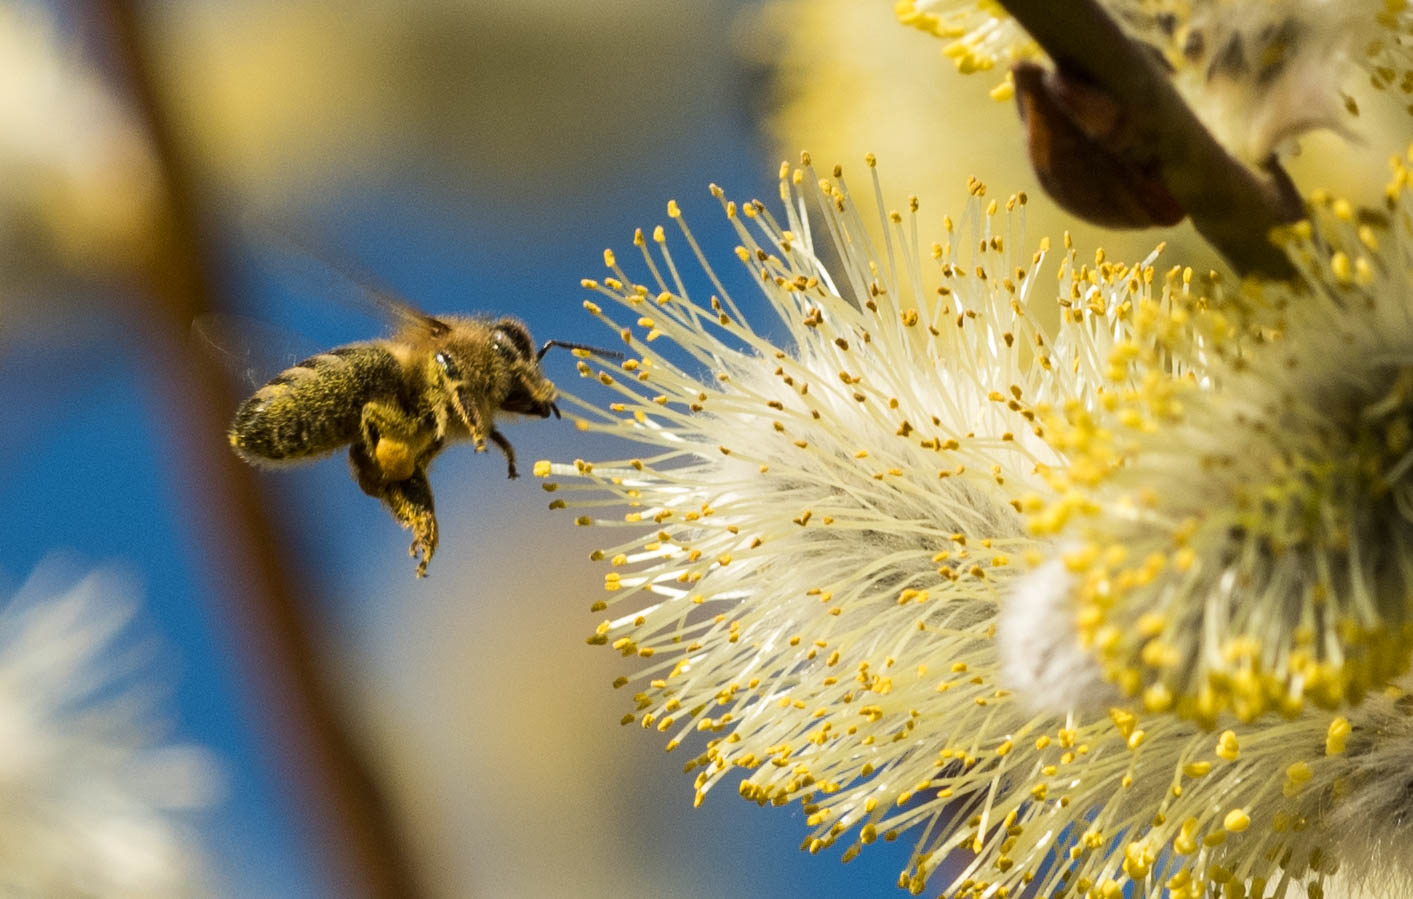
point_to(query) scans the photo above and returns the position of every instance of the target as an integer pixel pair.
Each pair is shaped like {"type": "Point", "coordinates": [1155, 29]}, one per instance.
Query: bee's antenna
{"type": "Point", "coordinates": [607, 354]}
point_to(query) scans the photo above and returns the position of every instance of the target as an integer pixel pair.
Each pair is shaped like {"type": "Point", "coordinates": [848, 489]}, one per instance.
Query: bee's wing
{"type": "Point", "coordinates": [251, 351]}
{"type": "Point", "coordinates": [325, 273]}
{"type": "Point", "coordinates": [401, 311]}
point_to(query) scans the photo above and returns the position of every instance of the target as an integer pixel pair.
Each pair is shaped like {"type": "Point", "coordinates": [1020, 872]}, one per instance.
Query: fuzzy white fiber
{"type": "Point", "coordinates": [1042, 659]}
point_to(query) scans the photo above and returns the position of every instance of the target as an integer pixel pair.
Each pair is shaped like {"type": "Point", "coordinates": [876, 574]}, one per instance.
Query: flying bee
{"type": "Point", "coordinates": [397, 402]}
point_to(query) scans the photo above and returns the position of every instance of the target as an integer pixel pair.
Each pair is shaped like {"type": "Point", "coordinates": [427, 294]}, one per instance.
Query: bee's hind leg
{"type": "Point", "coordinates": [409, 501]}
{"type": "Point", "coordinates": [499, 440]}
{"type": "Point", "coordinates": [366, 472]}
{"type": "Point", "coordinates": [392, 439]}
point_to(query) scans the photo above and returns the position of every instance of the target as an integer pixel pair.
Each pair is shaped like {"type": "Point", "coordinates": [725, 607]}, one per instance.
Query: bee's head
{"type": "Point", "coordinates": [478, 367]}
{"type": "Point", "coordinates": [530, 392]}
{"type": "Point", "coordinates": [494, 364]}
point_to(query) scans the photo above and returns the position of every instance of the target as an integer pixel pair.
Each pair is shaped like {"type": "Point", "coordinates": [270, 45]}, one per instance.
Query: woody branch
{"type": "Point", "coordinates": [1233, 206]}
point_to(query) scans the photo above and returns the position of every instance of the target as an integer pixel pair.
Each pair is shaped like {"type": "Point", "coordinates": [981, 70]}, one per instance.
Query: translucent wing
{"type": "Point", "coordinates": [251, 351]}
{"type": "Point", "coordinates": [320, 271]}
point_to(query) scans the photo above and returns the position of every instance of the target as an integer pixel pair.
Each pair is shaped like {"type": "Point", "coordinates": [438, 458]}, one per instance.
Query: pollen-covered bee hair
{"type": "Point", "coordinates": [396, 402]}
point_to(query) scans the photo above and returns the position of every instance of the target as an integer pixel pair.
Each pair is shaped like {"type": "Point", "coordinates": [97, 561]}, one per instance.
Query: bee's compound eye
{"type": "Point", "coordinates": [448, 366]}
{"type": "Point", "coordinates": [505, 345]}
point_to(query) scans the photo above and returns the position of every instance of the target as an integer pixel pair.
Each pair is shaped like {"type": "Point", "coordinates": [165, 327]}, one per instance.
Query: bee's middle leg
{"type": "Point", "coordinates": [499, 440]}
{"type": "Point", "coordinates": [391, 438]}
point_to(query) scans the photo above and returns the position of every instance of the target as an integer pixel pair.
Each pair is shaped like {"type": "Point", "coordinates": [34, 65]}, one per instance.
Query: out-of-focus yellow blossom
{"type": "Point", "coordinates": [286, 102]}
{"type": "Point", "coordinates": [77, 178]}
{"type": "Point", "coordinates": [846, 81]}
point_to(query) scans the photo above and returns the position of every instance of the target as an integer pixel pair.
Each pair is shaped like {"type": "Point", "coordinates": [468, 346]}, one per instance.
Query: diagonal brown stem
{"type": "Point", "coordinates": [345, 815]}
{"type": "Point", "coordinates": [1232, 206]}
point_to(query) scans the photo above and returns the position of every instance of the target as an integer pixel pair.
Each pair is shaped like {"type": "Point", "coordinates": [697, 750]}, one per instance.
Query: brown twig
{"type": "Point", "coordinates": [313, 751]}
{"type": "Point", "coordinates": [1232, 206]}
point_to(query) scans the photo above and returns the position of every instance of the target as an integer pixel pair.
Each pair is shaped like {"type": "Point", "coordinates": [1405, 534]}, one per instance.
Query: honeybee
{"type": "Point", "coordinates": [398, 402]}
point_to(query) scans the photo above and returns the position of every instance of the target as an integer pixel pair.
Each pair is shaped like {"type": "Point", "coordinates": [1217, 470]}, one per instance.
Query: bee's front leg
{"type": "Point", "coordinates": [393, 439]}
{"type": "Point", "coordinates": [409, 500]}
{"type": "Point", "coordinates": [500, 440]}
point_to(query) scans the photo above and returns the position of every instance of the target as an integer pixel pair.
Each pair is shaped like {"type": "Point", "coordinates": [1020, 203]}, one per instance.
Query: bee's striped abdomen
{"type": "Point", "coordinates": [314, 407]}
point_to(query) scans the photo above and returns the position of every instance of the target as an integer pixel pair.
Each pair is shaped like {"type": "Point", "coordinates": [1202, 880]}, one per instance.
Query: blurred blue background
{"type": "Point", "coordinates": [476, 156]}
